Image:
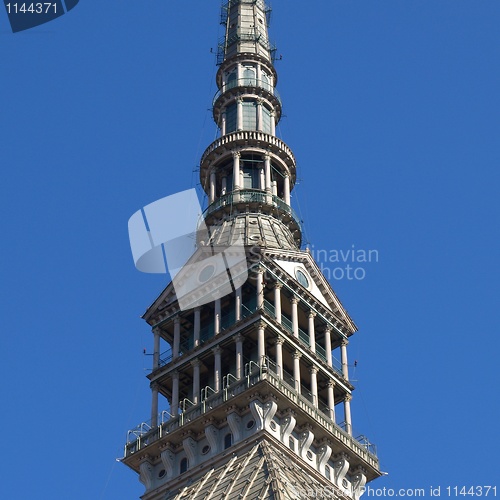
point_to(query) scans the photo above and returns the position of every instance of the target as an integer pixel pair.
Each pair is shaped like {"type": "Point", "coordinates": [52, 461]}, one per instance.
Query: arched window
{"type": "Point", "coordinates": [228, 440]}
{"type": "Point", "coordinates": [249, 76]}
{"type": "Point", "coordinates": [266, 83]}
{"type": "Point", "coordinates": [184, 465]}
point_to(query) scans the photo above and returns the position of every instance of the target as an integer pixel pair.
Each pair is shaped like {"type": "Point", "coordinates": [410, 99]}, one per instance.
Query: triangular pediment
{"type": "Point", "coordinates": [300, 266]}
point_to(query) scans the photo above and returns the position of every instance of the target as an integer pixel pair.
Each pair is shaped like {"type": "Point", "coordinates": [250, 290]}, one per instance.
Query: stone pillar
{"type": "Point", "coordinates": [296, 370]}
{"type": "Point", "coordinates": [224, 186]}
{"type": "Point", "coordinates": [261, 342]}
{"type": "Point", "coordinates": [273, 123]}
{"type": "Point", "coordinates": [197, 326]}
{"type": "Point", "coordinates": [259, 115]}
{"type": "Point", "coordinates": [312, 333]}
{"type": "Point", "coordinates": [260, 288]}
{"type": "Point", "coordinates": [238, 303]}
{"type": "Point", "coordinates": [236, 170]}
{"type": "Point", "coordinates": [223, 123]}
{"type": "Point", "coordinates": [217, 368]}
{"type": "Point", "coordinates": [177, 337]}
{"type": "Point", "coordinates": [156, 349]}
{"type": "Point", "coordinates": [295, 316]}
{"type": "Point", "coordinates": [154, 405]}
{"type": "Point", "coordinates": [279, 356]}
{"type": "Point", "coordinates": [196, 364]}
{"type": "Point", "coordinates": [262, 179]}
{"type": "Point", "coordinates": [314, 385]}
{"type": "Point", "coordinates": [174, 407]}
{"type": "Point", "coordinates": [212, 186]}
{"type": "Point", "coordinates": [286, 189]}
{"type": "Point", "coordinates": [267, 168]}
{"type": "Point", "coordinates": [328, 346]}
{"type": "Point", "coordinates": [238, 73]}
{"type": "Point", "coordinates": [239, 355]}
{"type": "Point", "coordinates": [239, 114]}
{"type": "Point", "coordinates": [347, 413]}
{"type": "Point", "coordinates": [343, 359]}
{"type": "Point", "coordinates": [277, 301]}
{"type": "Point", "coordinates": [217, 317]}
{"type": "Point", "coordinates": [331, 399]}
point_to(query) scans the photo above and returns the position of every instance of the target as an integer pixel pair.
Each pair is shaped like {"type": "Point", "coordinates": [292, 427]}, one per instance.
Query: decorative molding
{"type": "Point", "coordinates": [190, 447]}
{"type": "Point", "coordinates": [305, 440]}
{"type": "Point", "coordinates": [263, 414]}
{"type": "Point", "coordinates": [287, 427]}
{"type": "Point", "coordinates": [325, 452]}
{"type": "Point", "coordinates": [212, 435]}
{"type": "Point", "coordinates": [146, 474]}
{"type": "Point", "coordinates": [234, 421]}
{"type": "Point", "coordinates": [340, 468]}
{"type": "Point", "coordinates": [168, 459]}
{"type": "Point", "coordinates": [358, 482]}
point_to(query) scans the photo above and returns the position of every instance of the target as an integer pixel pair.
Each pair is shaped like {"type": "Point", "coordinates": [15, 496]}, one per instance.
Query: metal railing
{"type": "Point", "coordinates": [247, 82]}
{"type": "Point", "coordinates": [254, 373]}
{"type": "Point", "coordinates": [251, 196]}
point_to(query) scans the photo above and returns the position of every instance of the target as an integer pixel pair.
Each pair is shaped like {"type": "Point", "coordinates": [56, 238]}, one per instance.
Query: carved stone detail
{"type": "Point", "coordinates": [324, 455]}
{"type": "Point", "coordinates": [287, 427]}
{"type": "Point", "coordinates": [234, 421]}
{"type": "Point", "coordinates": [168, 459]}
{"type": "Point", "coordinates": [146, 474]}
{"type": "Point", "coordinates": [212, 435]}
{"type": "Point", "coordinates": [263, 414]}
{"type": "Point", "coordinates": [305, 440]}
{"type": "Point", "coordinates": [358, 482]}
{"type": "Point", "coordinates": [190, 447]}
{"type": "Point", "coordinates": [341, 466]}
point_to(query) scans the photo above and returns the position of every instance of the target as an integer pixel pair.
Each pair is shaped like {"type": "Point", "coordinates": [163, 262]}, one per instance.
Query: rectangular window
{"type": "Point", "coordinates": [231, 118]}
{"type": "Point", "coordinates": [249, 115]}
{"type": "Point", "coordinates": [266, 120]}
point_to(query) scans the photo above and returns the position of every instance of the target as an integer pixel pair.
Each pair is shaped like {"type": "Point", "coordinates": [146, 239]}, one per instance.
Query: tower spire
{"type": "Point", "coordinates": [248, 400]}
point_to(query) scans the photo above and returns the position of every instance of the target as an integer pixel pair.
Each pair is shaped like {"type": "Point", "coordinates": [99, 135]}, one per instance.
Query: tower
{"type": "Point", "coordinates": [258, 405]}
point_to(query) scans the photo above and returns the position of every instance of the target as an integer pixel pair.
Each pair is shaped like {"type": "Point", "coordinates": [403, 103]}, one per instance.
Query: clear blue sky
{"type": "Point", "coordinates": [393, 111]}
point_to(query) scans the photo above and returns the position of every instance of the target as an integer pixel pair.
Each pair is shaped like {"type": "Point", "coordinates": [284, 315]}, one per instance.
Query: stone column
{"type": "Point", "coordinates": [296, 370]}
{"type": "Point", "coordinates": [212, 186]}
{"type": "Point", "coordinates": [273, 123]}
{"type": "Point", "coordinates": [217, 317]}
{"type": "Point", "coordinates": [286, 189]}
{"type": "Point", "coordinates": [259, 115]}
{"type": "Point", "coordinates": [331, 399]}
{"type": "Point", "coordinates": [224, 186]}
{"type": "Point", "coordinates": [156, 349]}
{"type": "Point", "coordinates": [154, 405]}
{"type": "Point", "coordinates": [262, 179]}
{"type": "Point", "coordinates": [239, 355]}
{"type": "Point", "coordinates": [238, 73]}
{"type": "Point", "coordinates": [217, 368]}
{"type": "Point", "coordinates": [260, 288]}
{"type": "Point", "coordinates": [312, 333]}
{"type": "Point", "coordinates": [177, 337]}
{"type": "Point", "coordinates": [236, 170]}
{"type": "Point", "coordinates": [277, 301]}
{"type": "Point", "coordinates": [261, 342]}
{"type": "Point", "coordinates": [197, 325]}
{"type": "Point", "coordinates": [196, 364]}
{"type": "Point", "coordinates": [295, 316]}
{"type": "Point", "coordinates": [238, 303]}
{"type": "Point", "coordinates": [347, 413]}
{"type": "Point", "coordinates": [267, 168]}
{"type": "Point", "coordinates": [314, 385]}
{"type": "Point", "coordinates": [279, 356]}
{"type": "Point", "coordinates": [343, 359]}
{"type": "Point", "coordinates": [223, 123]}
{"type": "Point", "coordinates": [328, 346]}
{"type": "Point", "coordinates": [239, 114]}
{"type": "Point", "coordinates": [174, 407]}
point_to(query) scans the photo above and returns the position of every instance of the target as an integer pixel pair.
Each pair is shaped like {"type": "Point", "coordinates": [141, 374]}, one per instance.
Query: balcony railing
{"type": "Point", "coordinates": [248, 82]}
{"type": "Point", "coordinates": [251, 196]}
{"type": "Point", "coordinates": [144, 435]}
